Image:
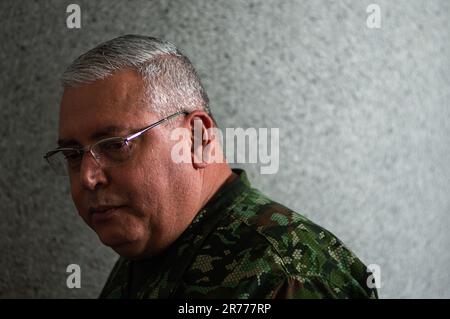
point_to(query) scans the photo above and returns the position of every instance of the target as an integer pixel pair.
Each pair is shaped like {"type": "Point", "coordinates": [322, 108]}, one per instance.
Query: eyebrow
{"type": "Point", "coordinates": [105, 132]}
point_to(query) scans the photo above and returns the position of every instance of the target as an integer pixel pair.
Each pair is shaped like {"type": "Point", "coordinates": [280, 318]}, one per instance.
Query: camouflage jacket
{"type": "Point", "coordinates": [244, 245]}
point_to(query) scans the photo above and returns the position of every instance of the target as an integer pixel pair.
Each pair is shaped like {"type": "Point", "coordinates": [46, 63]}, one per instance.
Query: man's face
{"type": "Point", "coordinates": [147, 190]}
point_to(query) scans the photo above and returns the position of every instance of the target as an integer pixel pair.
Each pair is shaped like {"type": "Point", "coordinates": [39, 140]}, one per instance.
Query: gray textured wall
{"type": "Point", "coordinates": [363, 115]}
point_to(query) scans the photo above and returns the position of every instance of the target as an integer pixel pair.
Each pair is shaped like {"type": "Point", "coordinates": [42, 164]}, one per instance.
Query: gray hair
{"type": "Point", "coordinates": [172, 84]}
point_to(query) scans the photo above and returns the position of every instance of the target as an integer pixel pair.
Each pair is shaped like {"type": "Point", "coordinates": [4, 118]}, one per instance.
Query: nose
{"type": "Point", "coordinates": [92, 175]}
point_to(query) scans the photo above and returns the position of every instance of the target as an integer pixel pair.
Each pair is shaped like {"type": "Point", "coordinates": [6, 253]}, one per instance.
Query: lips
{"type": "Point", "coordinates": [103, 213]}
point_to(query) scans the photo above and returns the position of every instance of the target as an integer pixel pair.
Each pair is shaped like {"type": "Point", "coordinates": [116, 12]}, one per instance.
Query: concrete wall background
{"type": "Point", "coordinates": [363, 115]}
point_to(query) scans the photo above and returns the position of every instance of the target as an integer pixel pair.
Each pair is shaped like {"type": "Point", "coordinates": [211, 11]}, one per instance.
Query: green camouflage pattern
{"type": "Point", "coordinates": [244, 245]}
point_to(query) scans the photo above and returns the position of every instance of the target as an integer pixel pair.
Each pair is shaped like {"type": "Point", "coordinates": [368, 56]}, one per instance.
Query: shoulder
{"type": "Point", "coordinates": [289, 234]}
{"type": "Point", "coordinates": [264, 240]}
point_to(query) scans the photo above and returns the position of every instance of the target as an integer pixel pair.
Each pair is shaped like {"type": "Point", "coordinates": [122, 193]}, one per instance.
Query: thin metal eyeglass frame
{"type": "Point", "coordinates": [126, 139]}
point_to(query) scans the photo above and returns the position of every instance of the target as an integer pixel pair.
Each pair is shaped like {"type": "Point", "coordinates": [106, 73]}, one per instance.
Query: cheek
{"type": "Point", "coordinates": [141, 191]}
{"type": "Point", "coordinates": [146, 190]}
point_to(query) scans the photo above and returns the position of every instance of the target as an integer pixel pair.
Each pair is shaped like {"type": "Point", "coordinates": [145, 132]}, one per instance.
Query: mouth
{"type": "Point", "coordinates": [103, 213]}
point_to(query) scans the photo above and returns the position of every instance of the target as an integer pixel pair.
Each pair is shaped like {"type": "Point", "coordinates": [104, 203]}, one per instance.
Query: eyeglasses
{"type": "Point", "coordinates": [109, 152]}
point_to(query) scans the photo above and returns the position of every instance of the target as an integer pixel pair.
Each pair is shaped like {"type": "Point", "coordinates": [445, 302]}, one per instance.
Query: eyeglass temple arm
{"type": "Point", "coordinates": [86, 148]}
{"type": "Point", "coordinates": [156, 124]}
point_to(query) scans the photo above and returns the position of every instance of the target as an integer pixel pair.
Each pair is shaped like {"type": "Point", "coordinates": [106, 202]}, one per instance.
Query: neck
{"type": "Point", "coordinates": [214, 177]}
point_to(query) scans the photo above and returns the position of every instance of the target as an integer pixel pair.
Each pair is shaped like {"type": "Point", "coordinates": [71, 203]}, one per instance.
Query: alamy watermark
{"type": "Point", "coordinates": [241, 146]}
{"type": "Point", "coordinates": [374, 279]}
{"type": "Point", "coordinates": [373, 20]}
{"type": "Point", "coordinates": [73, 20]}
{"type": "Point", "coordinates": [74, 279]}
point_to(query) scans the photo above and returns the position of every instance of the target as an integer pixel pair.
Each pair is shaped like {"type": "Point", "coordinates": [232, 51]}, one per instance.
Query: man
{"type": "Point", "coordinates": [190, 229]}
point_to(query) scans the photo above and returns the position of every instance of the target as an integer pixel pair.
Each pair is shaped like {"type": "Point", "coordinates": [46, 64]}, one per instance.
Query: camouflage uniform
{"type": "Point", "coordinates": [244, 245]}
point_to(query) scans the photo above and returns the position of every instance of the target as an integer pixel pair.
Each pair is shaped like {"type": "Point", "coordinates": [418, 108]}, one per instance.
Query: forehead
{"type": "Point", "coordinates": [116, 101]}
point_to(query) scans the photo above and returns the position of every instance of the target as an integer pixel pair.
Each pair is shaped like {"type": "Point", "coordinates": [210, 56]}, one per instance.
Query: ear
{"type": "Point", "coordinates": [199, 123]}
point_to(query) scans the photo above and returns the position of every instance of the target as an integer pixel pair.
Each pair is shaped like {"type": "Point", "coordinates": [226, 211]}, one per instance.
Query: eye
{"type": "Point", "coordinates": [113, 145]}
{"type": "Point", "coordinates": [72, 155]}
{"type": "Point", "coordinates": [114, 151]}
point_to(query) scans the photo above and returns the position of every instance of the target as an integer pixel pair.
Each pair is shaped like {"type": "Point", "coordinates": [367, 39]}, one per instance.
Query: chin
{"type": "Point", "coordinates": [128, 245]}
{"type": "Point", "coordinates": [130, 250]}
